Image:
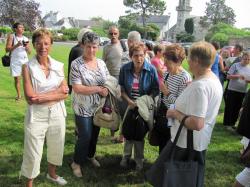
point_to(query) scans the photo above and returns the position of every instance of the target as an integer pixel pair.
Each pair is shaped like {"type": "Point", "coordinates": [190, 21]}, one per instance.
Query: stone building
{"type": "Point", "coordinates": [183, 12]}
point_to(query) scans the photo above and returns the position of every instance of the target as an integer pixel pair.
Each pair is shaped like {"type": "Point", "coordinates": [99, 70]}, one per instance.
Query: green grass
{"type": "Point", "coordinates": [222, 163]}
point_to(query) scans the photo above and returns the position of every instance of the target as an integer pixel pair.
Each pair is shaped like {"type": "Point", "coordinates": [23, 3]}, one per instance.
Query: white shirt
{"type": "Point", "coordinates": [19, 54]}
{"type": "Point", "coordinates": [202, 98]}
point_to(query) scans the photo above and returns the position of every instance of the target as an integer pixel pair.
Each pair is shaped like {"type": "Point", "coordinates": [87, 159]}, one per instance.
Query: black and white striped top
{"type": "Point", "coordinates": [85, 105]}
{"type": "Point", "coordinates": [176, 84]}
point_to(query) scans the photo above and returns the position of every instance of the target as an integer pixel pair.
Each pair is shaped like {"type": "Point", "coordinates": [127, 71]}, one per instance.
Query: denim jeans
{"type": "Point", "coordinates": [87, 139]}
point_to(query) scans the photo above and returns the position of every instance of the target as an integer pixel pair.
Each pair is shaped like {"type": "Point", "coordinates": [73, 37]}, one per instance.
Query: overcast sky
{"type": "Point", "coordinates": [112, 9]}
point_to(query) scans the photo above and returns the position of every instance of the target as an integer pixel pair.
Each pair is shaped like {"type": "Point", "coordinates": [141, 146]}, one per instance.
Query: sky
{"type": "Point", "coordinates": [112, 9]}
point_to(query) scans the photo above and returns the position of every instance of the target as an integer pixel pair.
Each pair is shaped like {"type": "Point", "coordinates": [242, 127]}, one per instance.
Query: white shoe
{"type": "Point", "coordinates": [94, 162]}
{"type": "Point", "coordinates": [59, 180]}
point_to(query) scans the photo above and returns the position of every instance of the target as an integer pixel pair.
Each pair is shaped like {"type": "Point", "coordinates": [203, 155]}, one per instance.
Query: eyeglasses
{"type": "Point", "coordinates": [113, 33]}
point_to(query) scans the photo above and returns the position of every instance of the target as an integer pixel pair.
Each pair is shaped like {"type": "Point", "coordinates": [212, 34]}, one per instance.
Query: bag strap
{"type": "Point", "coordinates": [165, 79]}
{"type": "Point", "coordinates": [172, 150]}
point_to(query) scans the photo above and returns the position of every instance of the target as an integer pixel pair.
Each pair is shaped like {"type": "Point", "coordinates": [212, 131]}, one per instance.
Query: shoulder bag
{"type": "Point", "coordinates": [107, 115]}
{"type": "Point", "coordinates": [181, 173]}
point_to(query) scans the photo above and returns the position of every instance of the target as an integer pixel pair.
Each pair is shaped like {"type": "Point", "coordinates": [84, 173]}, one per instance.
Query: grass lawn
{"type": "Point", "coordinates": [222, 163]}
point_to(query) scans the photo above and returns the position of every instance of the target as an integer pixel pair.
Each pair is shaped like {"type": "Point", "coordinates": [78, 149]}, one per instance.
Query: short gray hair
{"type": "Point", "coordinates": [90, 37]}
{"type": "Point", "coordinates": [134, 36]}
{"type": "Point", "coordinates": [81, 33]}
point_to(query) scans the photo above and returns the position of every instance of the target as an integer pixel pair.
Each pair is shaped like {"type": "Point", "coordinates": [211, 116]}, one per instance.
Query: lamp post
{"type": "Point", "coordinates": [169, 14]}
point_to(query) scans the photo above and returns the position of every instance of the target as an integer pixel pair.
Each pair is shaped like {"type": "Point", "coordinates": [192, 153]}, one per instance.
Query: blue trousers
{"type": "Point", "coordinates": [86, 139]}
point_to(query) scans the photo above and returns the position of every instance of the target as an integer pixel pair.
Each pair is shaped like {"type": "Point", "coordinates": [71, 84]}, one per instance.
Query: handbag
{"type": "Point", "coordinates": [107, 115]}
{"type": "Point", "coordinates": [134, 127]}
{"type": "Point", "coordinates": [181, 173]}
{"type": "Point", "coordinates": [6, 57]}
{"type": "Point", "coordinates": [6, 60]}
{"type": "Point", "coordinates": [153, 137]}
{"type": "Point", "coordinates": [245, 156]}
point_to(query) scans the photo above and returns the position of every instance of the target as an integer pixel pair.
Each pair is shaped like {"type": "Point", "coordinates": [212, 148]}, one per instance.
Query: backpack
{"type": "Point", "coordinates": [107, 115]}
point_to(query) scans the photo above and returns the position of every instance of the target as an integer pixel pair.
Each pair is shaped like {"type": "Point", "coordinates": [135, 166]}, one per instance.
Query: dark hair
{"type": "Point", "coordinates": [238, 46]}
{"type": "Point", "coordinates": [15, 25]}
{"type": "Point", "coordinates": [90, 37]}
{"type": "Point", "coordinates": [41, 33]}
{"type": "Point", "coordinates": [149, 46]}
{"type": "Point", "coordinates": [216, 45]}
{"type": "Point", "coordinates": [175, 53]}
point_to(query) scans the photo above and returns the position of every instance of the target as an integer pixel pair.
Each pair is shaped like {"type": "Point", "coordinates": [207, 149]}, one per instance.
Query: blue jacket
{"type": "Point", "coordinates": [148, 83]}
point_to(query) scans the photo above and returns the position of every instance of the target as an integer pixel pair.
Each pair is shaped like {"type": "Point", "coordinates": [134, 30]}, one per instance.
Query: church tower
{"type": "Point", "coordinates": [183, 12]}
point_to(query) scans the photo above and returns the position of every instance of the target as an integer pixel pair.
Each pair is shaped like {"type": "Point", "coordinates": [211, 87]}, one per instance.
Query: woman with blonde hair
{"type": "Point", "coordinates": [196, 108]}
{"type": "Point", "coordinates": [45, 90]}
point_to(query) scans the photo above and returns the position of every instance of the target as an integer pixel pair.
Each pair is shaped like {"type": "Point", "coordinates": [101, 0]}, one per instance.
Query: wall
{"type": "Point", "coordinates": [245, 42]}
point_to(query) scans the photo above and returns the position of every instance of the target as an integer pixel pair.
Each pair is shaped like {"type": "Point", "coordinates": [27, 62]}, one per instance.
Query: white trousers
{"type": "Point", "coordinates": [43, 122]}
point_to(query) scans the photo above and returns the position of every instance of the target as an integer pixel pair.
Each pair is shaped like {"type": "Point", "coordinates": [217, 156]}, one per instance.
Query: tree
{"type": "Point", "coordinates": [217, 11]}
{"type": "Point", "coordinates": [144, 8]}
{"type": "Point", "coordinates": [24, 11]}
{"type": "Point", "coordinates": [222, 32]}
{"type": "Point", "coordinates": [189, 25]}
{"type": "Point", "coordinates": [184, 37]}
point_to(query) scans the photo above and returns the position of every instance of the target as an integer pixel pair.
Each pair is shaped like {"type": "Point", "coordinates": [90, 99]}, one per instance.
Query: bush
{"type": "Point", "coordinates": [5, 30]}
{"type": "Point", "coordinates": [70, 34]}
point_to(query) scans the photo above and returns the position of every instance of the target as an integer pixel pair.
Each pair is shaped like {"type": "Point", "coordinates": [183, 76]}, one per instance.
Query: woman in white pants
{"type": "Point", "coordinates": [45, 90]}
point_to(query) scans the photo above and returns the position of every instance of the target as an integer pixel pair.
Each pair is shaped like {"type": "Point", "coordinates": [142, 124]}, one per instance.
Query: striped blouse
{"type": "Point", "coordinates": [85, 105]}
{"type": "Point", "coordinates": [176, 84]}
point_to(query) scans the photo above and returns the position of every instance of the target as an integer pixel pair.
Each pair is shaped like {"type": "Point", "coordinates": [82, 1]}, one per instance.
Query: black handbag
{"type": "Point", "coordinates": [134, 127]}
{"type": "Point", "coordinates": [181, 173]}
{"type": "Point", "coordinates": [6, 60]}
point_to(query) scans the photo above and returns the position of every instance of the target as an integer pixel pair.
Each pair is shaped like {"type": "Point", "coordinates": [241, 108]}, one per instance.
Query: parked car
{"type": "Point", "coordinates": [229, 48]}
{"type": "Point", "coordinates": [104, 41]}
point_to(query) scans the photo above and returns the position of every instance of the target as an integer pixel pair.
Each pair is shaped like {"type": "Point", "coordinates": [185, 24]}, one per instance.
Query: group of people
{"type": "Point", "coordinates": [138, 74]}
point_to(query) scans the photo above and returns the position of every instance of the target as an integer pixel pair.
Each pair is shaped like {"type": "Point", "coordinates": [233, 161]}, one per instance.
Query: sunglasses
{"type": "Point", "coordinates": [113, 33]}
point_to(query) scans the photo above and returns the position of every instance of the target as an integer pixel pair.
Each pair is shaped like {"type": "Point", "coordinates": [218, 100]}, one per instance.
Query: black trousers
{"type": "Point", "coordinates": [233, 104]}
{"type": "Point", "coordinates": [155, 175]}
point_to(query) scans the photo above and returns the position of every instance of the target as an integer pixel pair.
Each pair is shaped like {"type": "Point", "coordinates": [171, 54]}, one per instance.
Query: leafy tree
{"type": "Point", "coordinates": [222, 32]}
{"type": "Point", "coordinates": [24, 11]}
{"type": "Point", "coordinates": [189, 25]}
{"type": "Point", "coordinates": [217, 11]}
{"type": "Point", "coordinates": [144, 8]}
{"type": "Point", "coordinates": [184, 37]}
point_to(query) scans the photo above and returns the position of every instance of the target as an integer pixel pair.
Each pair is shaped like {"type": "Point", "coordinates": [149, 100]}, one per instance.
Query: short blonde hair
{"type": "Point", "coordinates": [203, 52]}
{"type": "Point", "coordinates": [41, 33]}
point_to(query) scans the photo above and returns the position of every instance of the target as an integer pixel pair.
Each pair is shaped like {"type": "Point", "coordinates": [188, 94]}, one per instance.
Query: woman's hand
{"type": "Point", "coordinates": [131, 104]}
{"type": "Point", "coordinates": [103, 91]}
{"type": "Point", "coordinates": [164, 89]}
{"type": "Point", "coordinates": [64, 89]}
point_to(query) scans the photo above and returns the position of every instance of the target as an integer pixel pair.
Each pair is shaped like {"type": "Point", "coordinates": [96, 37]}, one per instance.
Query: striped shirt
{"type": "Point", "coordinates": [176, 84]}
{"type": "Point", "coordinates": [135, 88]}
{"type": "Point", "coordinates": [85, 105]}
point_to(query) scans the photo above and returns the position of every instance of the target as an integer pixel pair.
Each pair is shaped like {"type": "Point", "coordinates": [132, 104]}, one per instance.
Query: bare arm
{"type": "Point", "coordinates": [130, 102]}
{"type": "Point", "coordinates": [41, 98]}
{"type": "Point", "coordinates": [9, 47]}
{"type": "Point", "coordinates": [192, 122]}
{"type": "Point", "coordinates": [88, 90]}
{"type": "Point", "coordinates": [222, 68]}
